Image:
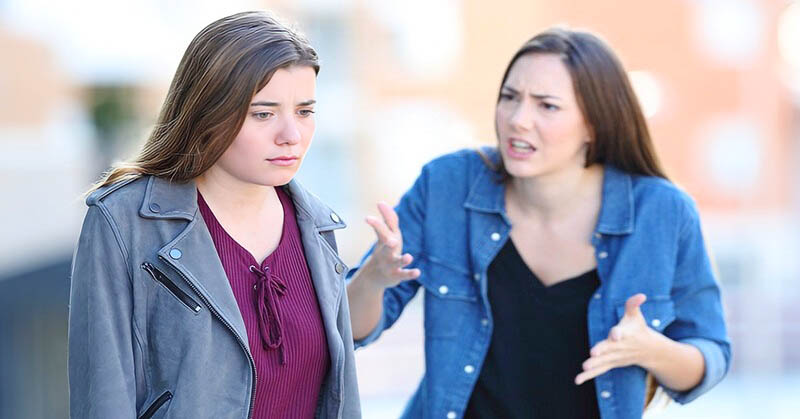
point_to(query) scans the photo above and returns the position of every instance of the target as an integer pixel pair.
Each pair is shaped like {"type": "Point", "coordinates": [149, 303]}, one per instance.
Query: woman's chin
{"type": "Point", "coordinates": [517, 170]}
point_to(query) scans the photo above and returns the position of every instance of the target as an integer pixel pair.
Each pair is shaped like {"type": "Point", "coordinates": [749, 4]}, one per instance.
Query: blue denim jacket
{"type": "Point", "coordinates": [647, 240]}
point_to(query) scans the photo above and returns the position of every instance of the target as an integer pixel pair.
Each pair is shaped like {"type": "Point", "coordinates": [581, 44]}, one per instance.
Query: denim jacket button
{"type": "Point", "coordinates": [339, 268]}
{"type": "Point", "coordinates": [484, 322]}
{"type": "Point", "coordinates": [495, 236]}
{"type": "Point", "coordinates": [175, 254]}
{"type": "Point", "coordinates": [335, 217]}
{"type": "Point", "coordinates": [602, 255]}
{"type": "Point", "coordinates": [443, 289]}
{"type": "Point", "coordinates": [598, 235]}
{"type": "Point", "coordinates": [656, 322]}
{"type": "Point", "coordinates": [469, 369]}
{"type": "Point", "coordinates": [597, 296]}
{"type": "Point", "coordinates": [476, 277]}
{"type": "Point", "coordinates": [605, 394]}
{"type": "Point", "coordinates": [155, 207]}
{"type": "Point", "coordinates": [451, 415]}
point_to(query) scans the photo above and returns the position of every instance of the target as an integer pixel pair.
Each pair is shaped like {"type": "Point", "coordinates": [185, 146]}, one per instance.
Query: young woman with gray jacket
{"type": "Point", "coordinates": [206, 282]}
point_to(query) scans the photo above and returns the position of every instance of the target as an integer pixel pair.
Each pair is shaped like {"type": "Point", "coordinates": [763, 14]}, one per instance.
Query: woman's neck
{"type": "Point", "coordinates": [232, 196]}
{"type": "Point", "coordinates": [555, 196]}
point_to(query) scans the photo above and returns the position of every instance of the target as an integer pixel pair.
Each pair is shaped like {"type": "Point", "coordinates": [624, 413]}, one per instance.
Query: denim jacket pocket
{"type": "Point", "coordinates": [450, 296]}
{"type": "Point", "coordinates": [658, 311]}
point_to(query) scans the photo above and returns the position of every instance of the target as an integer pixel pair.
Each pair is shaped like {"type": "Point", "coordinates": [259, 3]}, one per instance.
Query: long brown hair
{"type": "Point", "coordinates": [612, 113]}
{"type": "Point", "coordinates": [223, 67]}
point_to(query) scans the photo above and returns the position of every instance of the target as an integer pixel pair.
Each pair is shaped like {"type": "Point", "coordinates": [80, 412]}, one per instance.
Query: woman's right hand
{"type": "Point", "coordinates": [386, 265]}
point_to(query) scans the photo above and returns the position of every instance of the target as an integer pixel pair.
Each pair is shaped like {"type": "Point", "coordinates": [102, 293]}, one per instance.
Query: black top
{"type": "Point", "coordinates": [539, 342]}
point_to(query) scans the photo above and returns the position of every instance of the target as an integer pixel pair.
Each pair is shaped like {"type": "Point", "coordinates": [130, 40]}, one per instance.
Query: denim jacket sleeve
{"type": "Point", "coordinates": [411, 212]}
{"type": "Point", "coordinates": [697, 296]}
{"type": "Point", "coordinates": [101, 361]}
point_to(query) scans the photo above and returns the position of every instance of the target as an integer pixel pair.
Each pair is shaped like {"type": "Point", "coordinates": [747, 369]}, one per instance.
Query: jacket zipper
{"type": "Point", "coordinates": [238, 339]}
{"type": "Point", "coordinates": [156, 405]}
{"type": "Point", "coordinates": [163, 279]}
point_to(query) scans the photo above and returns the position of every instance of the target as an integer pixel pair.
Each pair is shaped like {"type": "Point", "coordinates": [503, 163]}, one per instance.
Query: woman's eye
{"type": "Point", "coordinates": [306, 112]}
{"type": "Point", "coordinates": [549, 106]}
{"type": "Point", "coordinates": [506, 96]}
{"type": "Point", "coordinates": [262, 115]}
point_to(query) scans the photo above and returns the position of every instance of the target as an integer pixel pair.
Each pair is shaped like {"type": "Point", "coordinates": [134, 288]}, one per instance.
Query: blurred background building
{"type": "Point", "coordinates": [402, 82]}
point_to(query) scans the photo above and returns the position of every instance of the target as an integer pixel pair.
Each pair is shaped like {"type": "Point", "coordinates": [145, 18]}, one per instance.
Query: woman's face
{"type": "Point", "coordinates": [540, 126]}
{"type": "Point", "coordinates": [277, 131]}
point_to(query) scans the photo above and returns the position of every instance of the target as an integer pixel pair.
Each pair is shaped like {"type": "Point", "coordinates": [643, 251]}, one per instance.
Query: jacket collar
{"type": "Point", "coordinates": [616, 213]}
{"type": "Point", "coordinates": [308, 205]}
{"type": "Point", "coordinates": [487, 194]}
{"type": "Point", "coordinates": [165, 199]}
{"type": "Point", "coordinates": [617, 210]}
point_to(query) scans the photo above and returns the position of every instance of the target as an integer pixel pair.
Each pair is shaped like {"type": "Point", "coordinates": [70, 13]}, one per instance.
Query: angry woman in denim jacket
{"type": "Point", "coordinates": [565, 276]}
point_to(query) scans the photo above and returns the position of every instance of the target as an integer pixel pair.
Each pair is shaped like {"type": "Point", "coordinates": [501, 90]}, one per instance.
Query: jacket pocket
{"type": "Point", "coordinates": [658, 311]}
{"type": "Point", "coordinates": [448, 282]}
{"type": "Point", "coordinates": [157, 404]}
{"type": "Point", "coordinates": [178, 293]}
{"type": "Point", "coordinates": [451, 299]}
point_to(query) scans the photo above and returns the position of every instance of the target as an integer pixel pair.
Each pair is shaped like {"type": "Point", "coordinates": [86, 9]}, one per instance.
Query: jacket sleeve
{"type": "Point", "coordinates": [101, 362]}
{"type": "Point", "coordinates": [698, 307]}
{"type": "Point", "coordinates": [411, 212]}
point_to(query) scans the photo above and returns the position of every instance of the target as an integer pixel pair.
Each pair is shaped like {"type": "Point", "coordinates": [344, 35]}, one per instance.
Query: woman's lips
{"type": "Point", "coordinates": [526, 150]}
{"type": "Point", "coordinates": [283, 160]}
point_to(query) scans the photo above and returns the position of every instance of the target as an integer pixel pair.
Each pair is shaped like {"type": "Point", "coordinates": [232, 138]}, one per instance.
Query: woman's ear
{"type": "Point", "coordinates": [590, 136]}
{"type": "Point", "coordinates": [590, 146]}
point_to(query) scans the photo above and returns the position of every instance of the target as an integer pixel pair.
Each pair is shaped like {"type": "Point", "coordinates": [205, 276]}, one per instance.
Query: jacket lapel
{"type": "Point", "coordinates": [317, 223]}
{"type": "Point", "coordinates": [192, 253]}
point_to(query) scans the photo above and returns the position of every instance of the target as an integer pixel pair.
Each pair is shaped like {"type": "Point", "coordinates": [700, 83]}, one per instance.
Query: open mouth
{"type": "Point", "coordinates": [519, 148]}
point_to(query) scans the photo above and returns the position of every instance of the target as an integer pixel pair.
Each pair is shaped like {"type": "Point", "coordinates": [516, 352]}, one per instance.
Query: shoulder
{"type": "Point", "coordinates": [461, 166]}
{"type": "Point", "coordinates": [651, 191]}
{"type": "Point", "coordinates": [121, 201]}
{"type": "Point", "coordinates": [110, 209]}
{"type": "Point", "coordinates": [123, 191]}
{"type": "Point", "coordinates": [463, 159]}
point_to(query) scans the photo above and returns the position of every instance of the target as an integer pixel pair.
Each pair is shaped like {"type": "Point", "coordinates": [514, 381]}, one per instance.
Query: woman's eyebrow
{"type": "Point", "coordinates": [264, 103]}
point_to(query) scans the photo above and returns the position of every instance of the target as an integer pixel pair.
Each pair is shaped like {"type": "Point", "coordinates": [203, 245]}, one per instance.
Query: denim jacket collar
{"type": "Point", "coordinates": [617, 210]}
{"type": "Point", "coordinates": [164, 199]}
{"type": "Point", "coordinates": [616, 213]}
{"type": "Point", "coordinates": [487, 194]}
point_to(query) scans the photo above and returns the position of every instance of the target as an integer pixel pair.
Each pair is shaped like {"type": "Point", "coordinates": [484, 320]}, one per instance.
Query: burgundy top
{"type": "Point", "coordinates": [281, 314]}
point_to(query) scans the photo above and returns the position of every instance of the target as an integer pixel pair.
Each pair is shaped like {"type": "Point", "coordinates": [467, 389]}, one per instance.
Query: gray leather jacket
{"type": "Point", "coordinates": [154, 329]}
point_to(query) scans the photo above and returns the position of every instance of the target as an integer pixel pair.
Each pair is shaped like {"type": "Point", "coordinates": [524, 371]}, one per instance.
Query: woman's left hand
{"type": "Point", "coordinates": [628, 343]}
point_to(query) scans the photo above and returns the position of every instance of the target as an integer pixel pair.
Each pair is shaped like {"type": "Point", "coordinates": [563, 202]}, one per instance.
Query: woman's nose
{"type": "Point", "coordinates": [289, 134]}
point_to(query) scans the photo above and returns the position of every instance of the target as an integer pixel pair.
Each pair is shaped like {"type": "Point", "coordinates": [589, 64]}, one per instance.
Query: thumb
{"type": "Point", "coordinates": [633, 304]}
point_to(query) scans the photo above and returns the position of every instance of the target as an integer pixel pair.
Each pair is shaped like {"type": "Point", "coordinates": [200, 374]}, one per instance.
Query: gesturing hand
{"type": "Point", "coordinates": [387, 262]}
{"type": "Point", "coordinates": [628, 343]}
